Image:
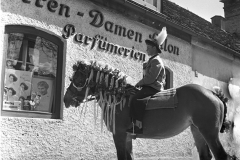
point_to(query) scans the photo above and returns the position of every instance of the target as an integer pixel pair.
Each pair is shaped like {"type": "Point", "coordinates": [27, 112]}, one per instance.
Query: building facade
{"type": "Point", "coordinates": [40, 42]}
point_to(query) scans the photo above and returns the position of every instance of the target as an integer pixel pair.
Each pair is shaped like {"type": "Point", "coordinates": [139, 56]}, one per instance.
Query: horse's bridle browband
{"type": "Point", "coordinates": [75, 95]}
{"type": "Point", "coordinates": [80, 88]}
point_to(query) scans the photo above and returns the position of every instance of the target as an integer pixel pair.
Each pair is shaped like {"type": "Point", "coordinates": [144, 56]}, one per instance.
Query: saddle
{"type": "Point", "coordinates": [164, 99]}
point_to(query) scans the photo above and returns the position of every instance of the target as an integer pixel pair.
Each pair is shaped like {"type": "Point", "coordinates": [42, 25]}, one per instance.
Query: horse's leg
{"type": "Point", "coordinates": [202, 147]}
{"type": "Point", "coordinates": [129, 148]}
{"type": "Point", "coordinates": [216, 146]}
{"type": "Point", "coordinates": [123, 146]}
{"type": "Point", "coordinates": [211, 136]}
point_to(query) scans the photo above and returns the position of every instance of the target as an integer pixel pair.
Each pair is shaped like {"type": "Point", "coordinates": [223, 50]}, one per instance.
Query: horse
{"type": "Point", "coordinates": [198, 108]}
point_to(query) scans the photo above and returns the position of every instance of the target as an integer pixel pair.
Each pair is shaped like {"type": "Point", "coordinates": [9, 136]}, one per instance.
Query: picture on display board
{"type": "Point", "coordinates": [17, 88]}
{"type": "Point", "coordinates": [42, 89]}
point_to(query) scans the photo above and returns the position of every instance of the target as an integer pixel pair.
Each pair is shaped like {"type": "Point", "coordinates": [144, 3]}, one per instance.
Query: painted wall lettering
{"type": "Point", "coordinates": [98, 18]}
{"type": "Point", "coordinates": [52, 6]}
{"type": "Point", "coordinates": [101, 43]}
{"type": "Point", "coordinates": [64, 9]}
{"type": "Point", "coordinates": [69, 30]}
{"type": "Point", "coordinates": [169, 48]}
{"type": "Point", "coordinates": [98, 21]}
{"type": "Point", "coordinates": [26, 1]}
{"type": "Point", "coordinates": [38, 3]}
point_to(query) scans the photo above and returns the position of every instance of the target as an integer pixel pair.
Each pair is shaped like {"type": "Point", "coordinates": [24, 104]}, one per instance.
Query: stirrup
{"type": "Point", "coordinates": [134, 132]}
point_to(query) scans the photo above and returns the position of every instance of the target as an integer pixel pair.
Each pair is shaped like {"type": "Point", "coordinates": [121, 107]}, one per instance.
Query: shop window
{"type": "Point", "coordinates": [33, 62]}
{"type": "Point", "coordinates": [152, 4]}
{"type": "Point", "coordinates": [169, 78]}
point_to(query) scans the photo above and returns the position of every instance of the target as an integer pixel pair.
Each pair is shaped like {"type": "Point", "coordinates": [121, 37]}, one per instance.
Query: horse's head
{"type": "Point", "coordinates": [75, 93]}
{"type": "Point", "coordinates": [94, 79]}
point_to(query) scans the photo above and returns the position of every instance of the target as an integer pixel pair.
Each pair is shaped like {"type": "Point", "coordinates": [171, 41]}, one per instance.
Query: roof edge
{"type": "Point", "coordinates": [159, 18]}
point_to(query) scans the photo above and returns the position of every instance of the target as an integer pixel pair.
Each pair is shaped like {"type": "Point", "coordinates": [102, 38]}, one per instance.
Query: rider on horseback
{"type": "Point", "coordinates": [153, 81]}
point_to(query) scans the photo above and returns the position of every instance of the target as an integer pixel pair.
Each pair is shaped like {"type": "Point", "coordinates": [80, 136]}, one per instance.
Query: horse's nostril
{"type": "Point", "coordinates": [66, 104]}
{"type": "Point", "coordinates": [65, 101]}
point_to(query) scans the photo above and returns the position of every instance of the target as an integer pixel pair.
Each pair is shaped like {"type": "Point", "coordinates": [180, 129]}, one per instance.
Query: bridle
{"type": "Point", "coordinates": [80, 88]}
{"type": "Point", "coordinates": [86, 72]}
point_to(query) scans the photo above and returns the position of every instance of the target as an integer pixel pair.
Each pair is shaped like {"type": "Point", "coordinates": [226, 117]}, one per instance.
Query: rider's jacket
{"type": "Point", "coordinates": [153, 73]}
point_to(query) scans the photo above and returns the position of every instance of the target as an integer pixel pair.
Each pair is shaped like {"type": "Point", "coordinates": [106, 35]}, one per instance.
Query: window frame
{"type": "Point", "coordinates": [60, 78]}
{"type": "Point", "coordinates": [144, 3]}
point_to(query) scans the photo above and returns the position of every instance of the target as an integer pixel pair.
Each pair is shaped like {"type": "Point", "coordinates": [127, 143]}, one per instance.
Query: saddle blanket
{"type": "Point", "coordinates": [164, 99]}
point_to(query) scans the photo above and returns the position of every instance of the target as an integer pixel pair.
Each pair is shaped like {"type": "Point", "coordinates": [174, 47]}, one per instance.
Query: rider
{"type": "Point", "coordinates": [152, 82]}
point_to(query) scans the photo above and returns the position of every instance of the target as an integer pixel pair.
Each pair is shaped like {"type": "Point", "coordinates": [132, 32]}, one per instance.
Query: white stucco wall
{"type": "Point", "coordinates": [75, 136]}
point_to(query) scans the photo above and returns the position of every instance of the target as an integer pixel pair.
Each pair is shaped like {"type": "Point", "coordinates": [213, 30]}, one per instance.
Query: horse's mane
{"type": "Point", "coordinates": [101, 66]}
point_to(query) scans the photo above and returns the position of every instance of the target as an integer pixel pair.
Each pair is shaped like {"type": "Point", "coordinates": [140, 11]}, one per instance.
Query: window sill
{"type": "Point", "coordinates": [28, 114]}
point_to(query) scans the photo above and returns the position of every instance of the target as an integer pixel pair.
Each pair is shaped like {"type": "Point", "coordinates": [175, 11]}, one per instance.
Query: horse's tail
{"type": "Point", "coordinates": [226, 125]}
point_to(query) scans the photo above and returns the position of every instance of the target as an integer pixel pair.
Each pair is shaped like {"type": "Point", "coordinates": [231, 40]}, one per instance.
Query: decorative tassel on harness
{"type": "Point", "coordinates": [89, 79]}
{"type": "Point", "coordinates": [110, 93]}
{"type": "Point", "coordinates": [95, 100]}
{"type": "Point", "coordinates": [111, 100]}
{"type": "Point", "coordinates": [100, 101]}
{"type": "Point", "coordinates": [101, 98]}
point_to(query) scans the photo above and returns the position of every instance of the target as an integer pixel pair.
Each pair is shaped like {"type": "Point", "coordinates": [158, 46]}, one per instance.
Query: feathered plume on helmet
{"type": "Point", "coordinates": [157, 39]}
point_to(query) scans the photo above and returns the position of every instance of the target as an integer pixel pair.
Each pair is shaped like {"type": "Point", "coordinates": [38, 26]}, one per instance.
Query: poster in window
{"type": "Point", "coordinates": [14, 45]}
{"type": "Point", "coordinates": [17, 88]}
{"type": "Point", "coordinates": [42, 93]}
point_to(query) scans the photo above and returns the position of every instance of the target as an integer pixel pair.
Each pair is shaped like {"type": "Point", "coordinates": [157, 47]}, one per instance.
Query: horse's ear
{"type": "Point", "coordinates": [83, 66]}
{"type": "Point", "coordinates": [76, 65]}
